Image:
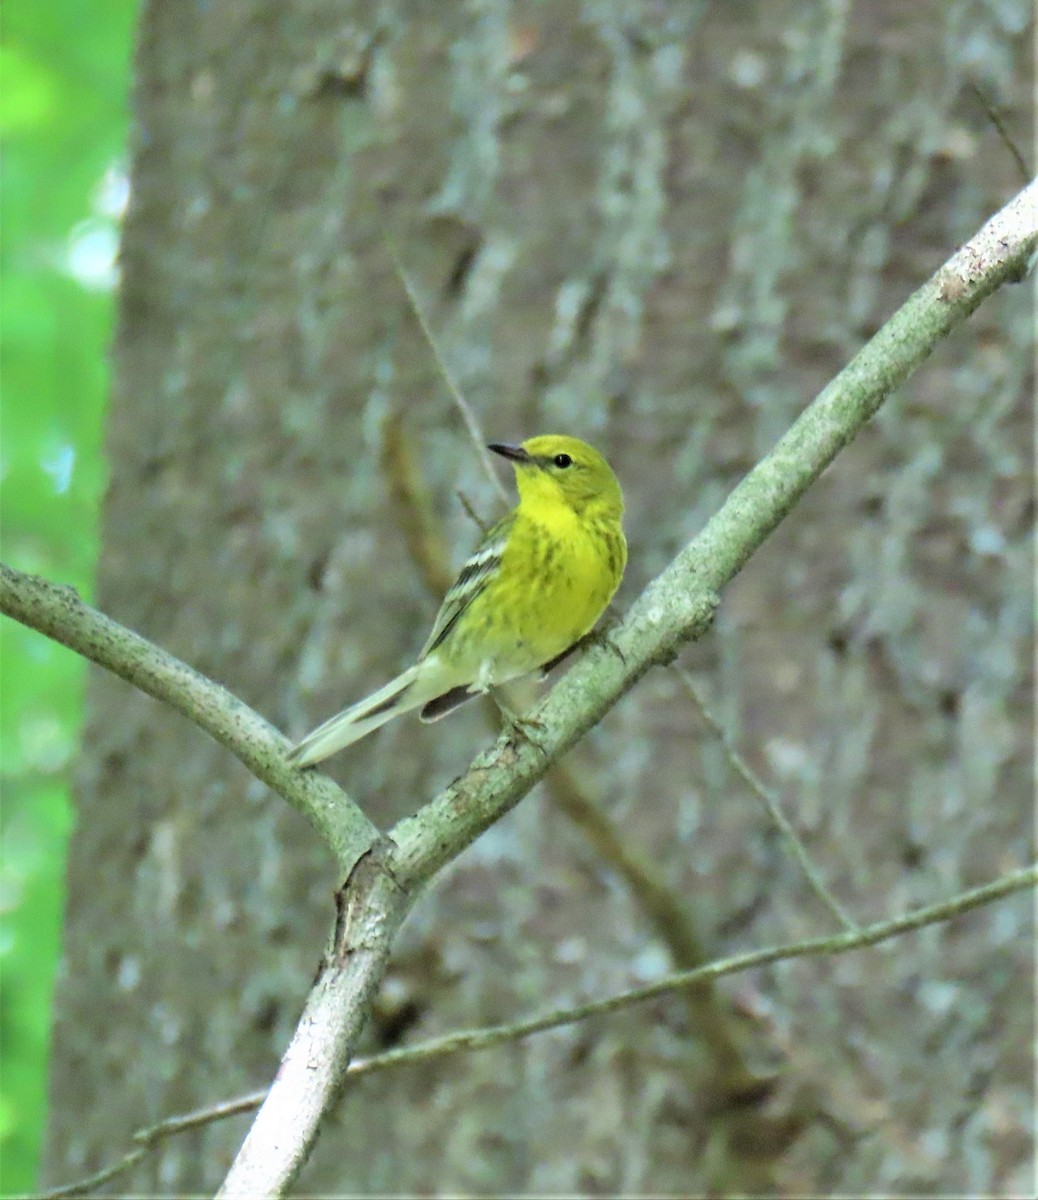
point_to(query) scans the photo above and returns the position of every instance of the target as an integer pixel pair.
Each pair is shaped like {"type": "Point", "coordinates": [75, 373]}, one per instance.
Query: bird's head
{"type": "Point", "coordinates": [552, 469]}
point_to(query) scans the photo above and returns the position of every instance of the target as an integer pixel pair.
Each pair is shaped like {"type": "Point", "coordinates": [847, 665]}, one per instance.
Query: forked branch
{"type": "Point", "coordinates": [676, 606]}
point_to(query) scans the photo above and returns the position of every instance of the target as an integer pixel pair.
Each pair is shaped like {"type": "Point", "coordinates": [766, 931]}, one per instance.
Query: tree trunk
{"type": "Point", "coordinates": [660, 228]}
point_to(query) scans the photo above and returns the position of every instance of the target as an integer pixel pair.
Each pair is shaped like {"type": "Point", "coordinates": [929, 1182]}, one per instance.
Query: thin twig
{"type": "Point", "coordinates": [995, 117]}
{"type": "Point", "coordinates": [837, 943]}
{"type": "Point", "coordinates": [467, 505]}
{"type": "Point", "coordinates": [672, 920]}
{"type": "Point", "coordinates": [87, 1186]}
{"type": "Point", "coordinates": [422, 534]}
{"type": "Point", "coordinates": [467, 415]}
{"type": "Point", "coordinates": [147, 1139]}
{"type": "Point", "coordinates": [769, 799]}
{"type": "Point", "coordinates": [483, 1039]}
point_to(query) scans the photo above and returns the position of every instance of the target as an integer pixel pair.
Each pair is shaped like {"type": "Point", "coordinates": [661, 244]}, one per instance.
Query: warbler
{"type": "Point", "coordinates": [533, 587]}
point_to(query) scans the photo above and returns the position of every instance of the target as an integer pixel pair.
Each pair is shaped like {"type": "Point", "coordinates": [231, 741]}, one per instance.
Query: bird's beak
{"type": "Point", "coordinates": [515, 453]}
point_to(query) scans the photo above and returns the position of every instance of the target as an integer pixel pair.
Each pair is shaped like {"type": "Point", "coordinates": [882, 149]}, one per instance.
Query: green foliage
{"type": "Point", "coordinates": [64, 70]}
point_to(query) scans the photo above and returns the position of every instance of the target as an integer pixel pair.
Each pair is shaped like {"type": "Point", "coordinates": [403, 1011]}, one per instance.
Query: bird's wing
{"type": "Point", "coordinates": [472, 579]}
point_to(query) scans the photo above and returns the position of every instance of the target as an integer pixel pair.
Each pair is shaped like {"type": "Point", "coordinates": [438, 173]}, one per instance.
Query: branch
{"type": "Point", "coordinates": [495, 1035]}
{"type": "Point", "coordinates": [59, 613]}
{"type": "Point", "coordinates": [313, 1068]}
{"type": "Point", "coordinates": [467, 415]}
{"type": "Point", "coordinates": [837, 943]}
{"type": "Point", "coordinates": [996, 119]}
{"type": "Point", "coordinates": [679, 604]}
{"type": "Point", "coordinates": [674, 923]}
{"type": "Point", "coordinates": [770, 801]}
{"type": "Point", "coordinates": [146, 1140]}
{"type": "Point", "coordinates": [423, 534]}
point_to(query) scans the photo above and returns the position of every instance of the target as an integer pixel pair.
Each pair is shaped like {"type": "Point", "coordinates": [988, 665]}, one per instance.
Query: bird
{"type": "Point", "coordinates": [535, 585]}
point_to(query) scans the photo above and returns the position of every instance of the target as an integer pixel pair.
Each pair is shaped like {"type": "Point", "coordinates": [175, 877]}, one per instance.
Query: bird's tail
{"type": "Point", "coordinates": [407, 691]}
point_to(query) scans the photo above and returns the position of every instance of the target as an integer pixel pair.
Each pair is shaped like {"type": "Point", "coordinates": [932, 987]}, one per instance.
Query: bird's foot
{"type": "Point", "coordinates": [601, 635]}
{"type": "Point", "coordinates": [514, 725]}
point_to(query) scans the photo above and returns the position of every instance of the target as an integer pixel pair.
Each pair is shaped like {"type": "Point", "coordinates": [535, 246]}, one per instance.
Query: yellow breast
{"type": "Point", "coordinates": [558, 574]}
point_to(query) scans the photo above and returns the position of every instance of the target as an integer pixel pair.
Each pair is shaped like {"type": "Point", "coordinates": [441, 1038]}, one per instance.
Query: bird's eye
{"type": "Point", "coordinates": [562, 460]}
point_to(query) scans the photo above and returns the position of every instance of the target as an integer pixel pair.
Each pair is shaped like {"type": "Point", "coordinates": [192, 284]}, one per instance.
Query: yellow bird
{"type": "Point", "coordinates": [534, 586]}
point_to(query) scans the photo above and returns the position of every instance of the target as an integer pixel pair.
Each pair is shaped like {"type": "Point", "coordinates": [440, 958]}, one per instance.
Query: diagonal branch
{"type": "Point", "coordinates": [679, 604]}
{"type": "Point", "coordinates": [59, 613]}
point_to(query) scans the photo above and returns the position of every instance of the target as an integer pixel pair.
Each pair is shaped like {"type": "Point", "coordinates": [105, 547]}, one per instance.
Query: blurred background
{"type": "Point", "coordinates": [64, 80]}
{"type": "Point", "coordinates": [661, 227]}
